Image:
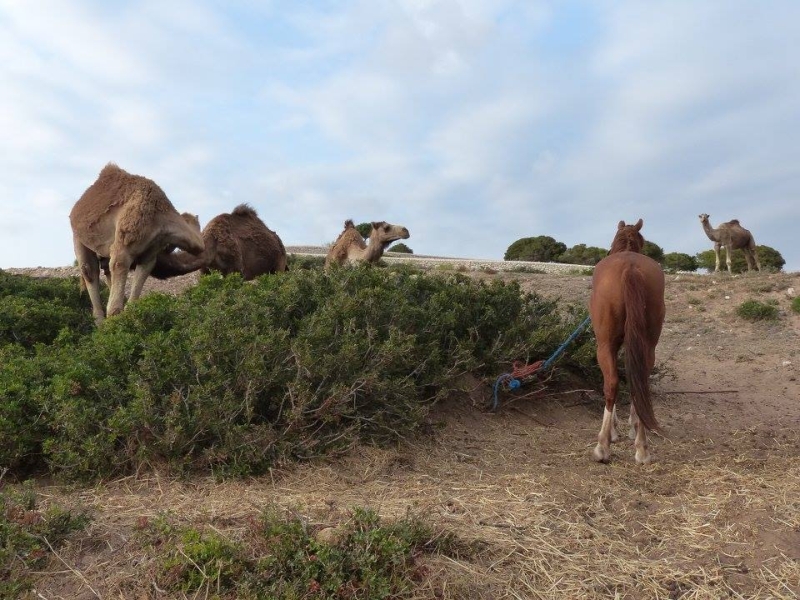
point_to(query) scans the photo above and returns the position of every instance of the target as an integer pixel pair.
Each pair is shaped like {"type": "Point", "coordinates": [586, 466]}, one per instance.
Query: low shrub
{"type": "Point", "coordinates": [27, 536]}
{"type": "Point", "coordinates": [280, 557]}
{"type": "Point", "coordinates": [796, 304]}
{"type": "Point", "coordinates": [35, 310]}
{"type": "Point", "coordinates": [753, 310]}
{"type": "Point", "coordinates": [236, 377]}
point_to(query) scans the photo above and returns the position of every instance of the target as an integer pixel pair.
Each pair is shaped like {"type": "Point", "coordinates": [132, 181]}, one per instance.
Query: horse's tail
{"type": "Point", "coordinates": [636, 346]}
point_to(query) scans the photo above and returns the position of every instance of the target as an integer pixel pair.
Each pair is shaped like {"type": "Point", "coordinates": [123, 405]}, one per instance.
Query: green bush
{"type": "Point", "coordinates": [770, 259]}
{"type": "Point", "coordinates": [796, 304]}
{"type": "Point", "coordinates": [280, 557]}
{"type": "Point", "coordinates": [235, 377]}
{"type": "Point", "coordinates": [753, 310]}
{"type": "Point", "coordinates": [654, 251]}
{"type": "Point", "coordinates": [542, 248]}
{"type": "Point", "coordinates": [35, 310]}
{"type": "Point", "coordinates": [678, 261]}
{"type": "Point", "coordinates": [581, 254]}
{"type": "Point", "coordinates": [297, 262]}
{"type": "Point", "coordinates": [364, 229]}
{"type": "Point", "coordinates": [27, 535]}
{"type": "Point", "coordinates": [401, 247]}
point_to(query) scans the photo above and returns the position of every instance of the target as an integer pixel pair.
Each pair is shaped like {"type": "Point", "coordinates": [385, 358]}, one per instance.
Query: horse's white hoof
{"type": "Point", "coordinates": [632, 433]}
{"type": "Point", "coordinates": [600, 454]}
{"type": "Point", "coordinates": [642, 457]}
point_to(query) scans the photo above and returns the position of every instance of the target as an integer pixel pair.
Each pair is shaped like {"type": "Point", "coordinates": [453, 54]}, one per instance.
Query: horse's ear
{"type": "Point", "coordinates": [639, 224]}
{"type": "Point", "coordinates": [620, 225]}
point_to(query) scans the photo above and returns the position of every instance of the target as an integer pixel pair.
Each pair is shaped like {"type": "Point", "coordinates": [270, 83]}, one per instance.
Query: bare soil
{"type": "Point", "coordinates": [716, 515]}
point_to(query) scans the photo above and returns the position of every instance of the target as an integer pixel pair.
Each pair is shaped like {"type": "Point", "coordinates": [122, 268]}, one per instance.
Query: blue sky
{"type": "Point", "coordinates": [472, 122]}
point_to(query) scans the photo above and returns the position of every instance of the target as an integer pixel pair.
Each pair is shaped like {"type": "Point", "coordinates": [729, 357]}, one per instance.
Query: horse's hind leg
{"type": "Point", "coordinates": [607, 359]}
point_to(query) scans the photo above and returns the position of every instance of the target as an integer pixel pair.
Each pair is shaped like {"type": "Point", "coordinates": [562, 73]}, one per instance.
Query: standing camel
{"type": "Point", "coordinates": [350, 247]}
{"type": "Point", "coordinates": [238, 242]}
{"type": "Point", "coordinates": [732, 236]}
{"type": "Point", "coordinates": [128, 219]}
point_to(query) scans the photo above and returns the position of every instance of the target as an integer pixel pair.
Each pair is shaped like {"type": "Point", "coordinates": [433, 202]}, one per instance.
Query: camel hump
{"type": "Point", "coordinates": [734, 222]}
{"type": "Point", "coordinates": [349, 223]}
{"type": "Point", "coordinates": [110, 169]}
{"type": "Point", "coordinates": [245, 210]}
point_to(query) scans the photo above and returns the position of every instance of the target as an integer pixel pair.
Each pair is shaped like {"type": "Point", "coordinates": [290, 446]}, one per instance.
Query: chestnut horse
{"type": "Point", "coordinates": [627, 308]}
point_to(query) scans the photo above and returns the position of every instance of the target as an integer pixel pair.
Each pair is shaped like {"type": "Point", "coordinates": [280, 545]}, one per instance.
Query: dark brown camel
{"type": "Point", "coordinates": [238, 242]}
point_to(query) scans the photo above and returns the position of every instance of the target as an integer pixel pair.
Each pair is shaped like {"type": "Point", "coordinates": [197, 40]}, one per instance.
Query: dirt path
{"type": "Point", "coordinates": [717, 514]}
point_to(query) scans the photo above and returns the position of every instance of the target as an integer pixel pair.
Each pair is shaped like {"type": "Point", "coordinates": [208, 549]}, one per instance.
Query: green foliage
{"type": "Point", "coordinates": [280, 557]}
{"type": "Point", "coordinates": [581, 254]}
{"type": "Point", "coordinates": [401, 247]}
{"type": "Point", "coordinates": [542, 248]}
{"type": "Point", "coordinates": [35, 310]}
{"type": "Point", "coordinates": [654, 251]}
{"type": "Point", "coordinates": [304, 262]}
{"type": "Point", "coordinates": [364, 229]}
{"type": "Point", "coordinates": [796, 304]}
{"type": "Point", "coordinates": [770, 259]}
{"type": "Point", "coordinates": [753, 310]}
{"type": "Point", "coordinates": [236, 377]}
{"type": "Point", "coordinates": [678, 261]}
{"type": "Point", "coordinates": [27, 534]}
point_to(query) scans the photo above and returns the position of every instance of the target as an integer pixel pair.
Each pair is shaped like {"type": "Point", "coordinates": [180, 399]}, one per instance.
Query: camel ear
{"type": "Point", "coordinates": [376, 224]}
{"type": "Point", "coordinates": [639, 224]}
{"type": "Point", "coordinates": [620, 225]}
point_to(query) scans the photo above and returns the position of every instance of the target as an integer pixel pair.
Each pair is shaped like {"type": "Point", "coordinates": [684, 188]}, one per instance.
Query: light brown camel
{"type": "Point", "coordinates": [238, 242]}
{"type": "Point", "coordinates": [128, 219]}
{"type": "Point", "coordinates": [732, 236]}
{"type": "Point", "coordinates": [351, 248]}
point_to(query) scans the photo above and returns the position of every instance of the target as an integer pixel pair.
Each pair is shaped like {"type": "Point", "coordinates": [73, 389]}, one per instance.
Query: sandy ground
{"type": "Point", "coordinates": [716, 515]}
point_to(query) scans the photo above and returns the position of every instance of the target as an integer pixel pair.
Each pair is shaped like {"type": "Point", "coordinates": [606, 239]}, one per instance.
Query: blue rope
{"type": "Point", "coordinates": [513, 383]}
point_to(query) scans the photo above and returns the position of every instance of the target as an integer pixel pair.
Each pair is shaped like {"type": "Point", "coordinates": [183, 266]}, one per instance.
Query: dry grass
{"type": "Point", "coordinates": [714, 527]}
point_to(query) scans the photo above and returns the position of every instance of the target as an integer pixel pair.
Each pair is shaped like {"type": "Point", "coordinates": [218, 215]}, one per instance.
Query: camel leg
{"type": "Point", "coordinates": [140, 275]}
{"type": "Point", "coordinates": [90, 274]}
{"type": "Point", "coordinates": [716, 256]}
{"type": "Point", "coordinates": [607, 359]}
{"type": "Point", "coordinates": [754, 250]}
{"type": "Point", "coordinates": [119, 264]}
{"type": "Point", "coordinates": [728, 259]}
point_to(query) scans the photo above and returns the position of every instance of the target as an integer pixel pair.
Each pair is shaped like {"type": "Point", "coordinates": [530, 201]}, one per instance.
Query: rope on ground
{"type": "Point", "coordinates": [520, 370]}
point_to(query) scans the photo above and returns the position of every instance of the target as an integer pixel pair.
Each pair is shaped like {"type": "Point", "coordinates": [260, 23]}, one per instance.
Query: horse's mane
{"type": "Point", "coordinates": [627, 239]}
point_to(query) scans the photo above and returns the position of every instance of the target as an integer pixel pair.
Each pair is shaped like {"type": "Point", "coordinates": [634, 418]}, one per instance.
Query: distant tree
{"type": "Point", "coordinates": [678, 261]}
{"type": "Point", "coordinates": [769, 258]}
{"type": "Point", "coordinates": [364, 229]}
{"type": "Point", "coordinates": [654, 251]}
{"type": "Point", "coordinates": [401, 247]}
{"type": "Point", "coordinates": [581, 254]}
{"type": "Point", "coordinates": [542, 248]}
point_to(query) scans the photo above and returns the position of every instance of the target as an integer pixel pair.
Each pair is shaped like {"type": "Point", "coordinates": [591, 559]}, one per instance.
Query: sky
{"type": "Point", "coordinates": [472, 122]}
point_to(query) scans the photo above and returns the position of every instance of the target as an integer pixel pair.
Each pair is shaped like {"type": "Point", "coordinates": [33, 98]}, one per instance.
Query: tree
{"type": "Point", "coordinates": [654, 251]}
{"type": "Point", "coordinates": [401, 247]}
{"type": "Point", "coordinates": [769, 258]}
{"type": "Point", "coordinates": [678, 261]}
{"type": "Point", "coordinates": [364, 229]}
{"type": "Point", "coordinates": [542, 248]}
{"type": "Point", "coordinates": [581, 254]}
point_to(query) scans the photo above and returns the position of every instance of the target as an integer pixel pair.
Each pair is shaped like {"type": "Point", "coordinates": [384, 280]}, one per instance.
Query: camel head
{"type": "Point", "coordinates": [704, 217]}
{"type": "Point", "coordinates": [385, 233]}
{"type": "Point", "coordinates": [192, 220]}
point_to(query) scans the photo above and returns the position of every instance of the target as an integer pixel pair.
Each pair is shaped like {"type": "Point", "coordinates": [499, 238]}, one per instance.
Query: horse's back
{"type": "Point", "coordinates": [607, 299]}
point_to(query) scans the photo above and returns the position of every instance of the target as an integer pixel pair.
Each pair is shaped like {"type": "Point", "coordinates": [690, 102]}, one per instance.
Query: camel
{"type": "Point", "coordinates": [238, 242]}
{"type": "Point", "coordinates": [732, 236]}
{"type": "Point", "coordinates": [128, 219]}
{"type": "Point", "coordinates": [351, 248]}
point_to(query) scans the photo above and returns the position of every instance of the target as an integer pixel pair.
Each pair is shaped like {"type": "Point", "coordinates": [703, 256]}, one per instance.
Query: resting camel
{"type": "Point", "coordinates": [732, 236]}
{"type": "Point", "coordinates": [238, 242]}
{"type": "Point", "coordinates": [128, 219]}
{"type": "Point", "coordinates": [350, 247]}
